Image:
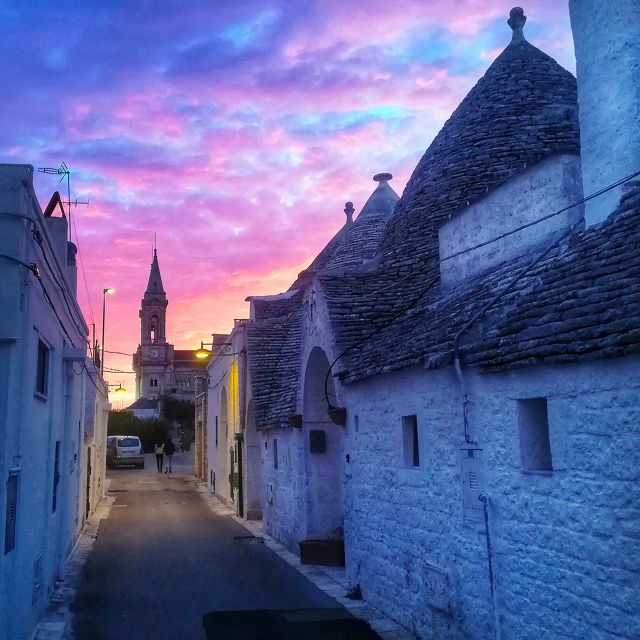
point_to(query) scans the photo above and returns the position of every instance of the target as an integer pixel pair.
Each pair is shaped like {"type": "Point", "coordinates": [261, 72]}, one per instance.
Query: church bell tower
{"type": "Point", "coordinates": [152, 361]}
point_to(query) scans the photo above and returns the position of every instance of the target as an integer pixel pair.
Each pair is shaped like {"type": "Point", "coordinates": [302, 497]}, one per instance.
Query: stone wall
{"type": "Point", "coordinates": [607, 44]}
{"type": "Point", "coordinates": [547, 187]}
{"type": "Point", "coordinates": [564, 544]}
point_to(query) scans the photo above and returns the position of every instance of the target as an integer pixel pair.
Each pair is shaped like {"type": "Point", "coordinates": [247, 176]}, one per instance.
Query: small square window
{"type": "Point", "coordinates": [42, 371]}
{"type": "Point", "coordinates": [533, 423]}
{"type": "Point", "coordinates": [410, 441]}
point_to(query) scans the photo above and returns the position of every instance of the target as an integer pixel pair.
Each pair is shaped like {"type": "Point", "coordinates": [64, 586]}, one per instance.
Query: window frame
{"type": "Point", "coordinates": [411, 442]}
{"type": "Point", "coordinates": [43, 367]}
{"type": "Point", "coordinates": [534, 436]}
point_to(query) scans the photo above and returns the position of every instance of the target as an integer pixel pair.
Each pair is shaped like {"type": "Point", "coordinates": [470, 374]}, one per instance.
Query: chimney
{"type": "Point", "coordinates": [606, 36]}
{"type": "Point", "coordinates": [349, 210]}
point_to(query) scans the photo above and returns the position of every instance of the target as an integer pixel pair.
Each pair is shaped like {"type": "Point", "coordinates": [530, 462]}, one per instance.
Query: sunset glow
{"type": "Point", "coordinates": [235, 131]}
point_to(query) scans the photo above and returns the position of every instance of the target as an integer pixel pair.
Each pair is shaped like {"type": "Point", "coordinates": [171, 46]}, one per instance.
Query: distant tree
{"type": "Point", "coordinates": [149, 431]}
{"type": "Point", "coordinates": [183, 413]}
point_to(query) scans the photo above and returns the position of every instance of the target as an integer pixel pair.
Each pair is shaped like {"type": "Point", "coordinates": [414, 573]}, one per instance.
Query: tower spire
{"type": "Point", "coordinates": [155, 280]}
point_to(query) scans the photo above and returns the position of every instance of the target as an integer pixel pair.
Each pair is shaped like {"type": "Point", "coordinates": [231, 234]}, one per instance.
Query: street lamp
{"type": "Point", "coordinates": [202, 353]}
{"type": "Point", "coordinates": [224, 349]}
{"type": "Point", "coordinates": [104, 304]}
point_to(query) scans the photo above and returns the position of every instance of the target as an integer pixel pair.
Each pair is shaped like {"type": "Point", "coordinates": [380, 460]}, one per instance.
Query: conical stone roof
{"type": "Point", "coordinates": [523, 110]}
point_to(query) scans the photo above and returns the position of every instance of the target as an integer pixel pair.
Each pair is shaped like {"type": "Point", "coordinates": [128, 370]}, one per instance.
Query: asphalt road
{"type": "Point", "coordinates": [162, 560]}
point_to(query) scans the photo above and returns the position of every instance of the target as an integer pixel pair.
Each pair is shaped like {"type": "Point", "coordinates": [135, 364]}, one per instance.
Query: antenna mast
{"type": "Point", "coordinates": [64, 172]}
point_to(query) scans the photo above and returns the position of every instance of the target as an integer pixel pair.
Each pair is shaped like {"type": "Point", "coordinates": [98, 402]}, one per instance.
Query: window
{"type": "Point", "coordinates": [153, 382]}
{"type": "Point", "coordinates": [153, 328]}
{"type": "Point", "coordinates": [533, 423]}
{"type": "Point", "coordinates": [42, 371]}
{"type": "Point", "coordinates": [275, 453]}
{"type": "Point", "coordinates": [56, 477]}
{"type": "Point", "coordinates": [12, 514]}
{"type": "Point", "coordinates": [410, 443]}
{"type": "Point", "coordinates": [216, 432]}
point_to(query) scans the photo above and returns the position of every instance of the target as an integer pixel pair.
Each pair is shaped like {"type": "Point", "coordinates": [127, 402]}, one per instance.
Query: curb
{"type": "Point", "coordinates": [331, 580]}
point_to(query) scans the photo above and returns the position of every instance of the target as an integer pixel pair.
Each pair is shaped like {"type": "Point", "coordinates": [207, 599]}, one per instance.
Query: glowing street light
{"type": "Point", "coordinates": [202, 353]}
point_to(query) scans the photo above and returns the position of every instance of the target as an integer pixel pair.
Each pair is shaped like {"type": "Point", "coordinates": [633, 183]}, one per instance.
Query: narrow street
{"type": "Point", "coordinates": [163, 559]}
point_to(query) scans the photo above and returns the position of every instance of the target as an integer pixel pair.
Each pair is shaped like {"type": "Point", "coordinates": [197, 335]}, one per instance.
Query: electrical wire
{"type": "Point", "coordinates": [118, 371]}
{"type": "Point", "coordinates": [84, 274]}
{"type": "Point", "coordinates": [33, 268]}
{"type": "Point", "coordinates": [618, 183]}
{"type": "Point", "coordinates": [224, 375]}
{"type": "Point", "coordinates": [38, 238]}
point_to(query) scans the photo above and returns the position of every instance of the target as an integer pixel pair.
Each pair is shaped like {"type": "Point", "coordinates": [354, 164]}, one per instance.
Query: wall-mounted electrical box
{"type": "Point", "coordinates": [473, 486]}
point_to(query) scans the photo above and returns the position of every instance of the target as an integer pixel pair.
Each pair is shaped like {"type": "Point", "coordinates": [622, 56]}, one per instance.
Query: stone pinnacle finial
{"type": "Point", "coordinates": [349, 210]}
{"type": "Point", "coordinates": [382, 177]}
{"type": "Point", "coordinates": [516, 21]}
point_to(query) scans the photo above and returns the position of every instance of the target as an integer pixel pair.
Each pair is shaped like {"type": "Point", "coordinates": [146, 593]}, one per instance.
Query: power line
{"type": "Point", "coordinates": [84, 274]}
{"type": "Point", "coordinates": [551, 215]}
{"type": "Point", "coordinates": [38, 238]}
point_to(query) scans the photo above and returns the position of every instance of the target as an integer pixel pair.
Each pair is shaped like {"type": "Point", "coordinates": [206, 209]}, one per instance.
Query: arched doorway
{"type": "Point", "coordinates": [323, 452]}
{"type": "Point", "coordinates": [253, 467]}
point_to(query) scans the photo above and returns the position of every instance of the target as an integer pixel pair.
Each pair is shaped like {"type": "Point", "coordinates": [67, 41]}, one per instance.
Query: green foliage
{"type": "Point", "coordinates": [149, 431]}
{"type": "Point", "coordinates": [183, 413]}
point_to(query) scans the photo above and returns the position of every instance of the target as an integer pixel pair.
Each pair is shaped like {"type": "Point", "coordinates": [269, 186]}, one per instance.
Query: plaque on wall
{"type": "Point", "coordinates": [436, 584]}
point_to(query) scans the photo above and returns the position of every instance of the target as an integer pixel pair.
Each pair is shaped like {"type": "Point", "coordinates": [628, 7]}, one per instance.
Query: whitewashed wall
{"type": "Point", "coordinates": [565, 545]}
{"type": "Point", "coordinates": [32, 423]}
{"type": "Point", "coordinates": [305, 483]}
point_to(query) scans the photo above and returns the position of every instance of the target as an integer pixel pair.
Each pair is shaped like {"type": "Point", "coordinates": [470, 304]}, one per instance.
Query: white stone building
{"type": "Point", "coordinates": [53, 405]}
{"type": "Point", "coordinates": [461, 405]}
{"type": "Point", "coordinates": [243, 436]}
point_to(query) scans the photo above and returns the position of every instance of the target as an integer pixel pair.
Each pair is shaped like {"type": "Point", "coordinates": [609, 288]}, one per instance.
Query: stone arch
{"type": "Point", "coordinates": [154, 328]}
{"type": "Point", "coordinates": [323, 451]}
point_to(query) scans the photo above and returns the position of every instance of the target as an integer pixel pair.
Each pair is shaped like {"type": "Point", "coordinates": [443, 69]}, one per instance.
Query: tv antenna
{"type": "Point", "coordinates": [64, 172]}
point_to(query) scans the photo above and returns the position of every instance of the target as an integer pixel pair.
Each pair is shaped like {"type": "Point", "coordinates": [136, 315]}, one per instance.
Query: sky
{"type": "Point", "coordinates": [232, 131]}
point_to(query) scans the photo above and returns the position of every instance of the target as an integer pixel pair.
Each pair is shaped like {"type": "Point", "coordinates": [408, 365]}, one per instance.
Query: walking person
{"type": "Point", "coordinates": [169, 450]}
{"type": "Point", "coordinates": [159, 451]}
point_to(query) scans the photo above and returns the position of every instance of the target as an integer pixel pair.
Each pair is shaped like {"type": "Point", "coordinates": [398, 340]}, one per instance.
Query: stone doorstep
{"type": "Point", "coordinates": [326, 580]}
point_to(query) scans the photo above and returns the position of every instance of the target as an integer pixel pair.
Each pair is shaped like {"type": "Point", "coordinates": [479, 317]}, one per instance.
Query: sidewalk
{"type": "Point", "coordinates": [332, 580]}
{"type": "Point", "coordinates": [56, 624]}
